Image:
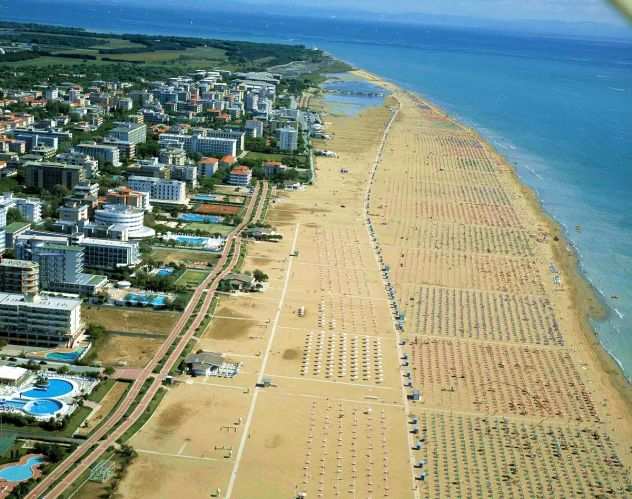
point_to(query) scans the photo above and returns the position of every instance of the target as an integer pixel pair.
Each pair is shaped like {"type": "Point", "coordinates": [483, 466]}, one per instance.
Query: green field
{"type": "Point", "coordinates": [191, 278]}
{"type": "Point", "coordinates": [57, 51]}
{"type": "Point", "coordinates": [186, 256]}
{"type": "Point", "coordinates": [303, 161]}
{"type": "Point", "coordinates": [208, 228]}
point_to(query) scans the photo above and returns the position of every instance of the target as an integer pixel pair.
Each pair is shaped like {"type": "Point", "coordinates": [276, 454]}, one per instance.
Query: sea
{"type": "Point", "coordinates": [558, 108]}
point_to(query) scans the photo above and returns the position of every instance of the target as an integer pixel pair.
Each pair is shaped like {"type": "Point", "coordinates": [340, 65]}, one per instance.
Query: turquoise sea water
{"type": "Point", "coordinates": [559, 109]}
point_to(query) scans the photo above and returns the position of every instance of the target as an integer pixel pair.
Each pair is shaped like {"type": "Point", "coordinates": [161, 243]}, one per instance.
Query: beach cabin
{"type": "Point", "coordinates": [210, 364]}
{"type": "Point", "coordinates": [238, 282]}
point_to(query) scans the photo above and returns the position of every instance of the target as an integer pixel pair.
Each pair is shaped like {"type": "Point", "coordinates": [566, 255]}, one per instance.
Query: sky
{"type": "Point", "coordinates": [568, 11]}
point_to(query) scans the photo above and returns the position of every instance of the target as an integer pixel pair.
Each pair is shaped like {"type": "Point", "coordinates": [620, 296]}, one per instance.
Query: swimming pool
{"type": "Point", "coordinates": [196, 217]}
{"type": "Point", "coordinates": [65, 356]}
{"type": "Point", "coordinates": [192, 240]}
{"type": "Point", "coordinates": [21, 472]}
{"type": "Point", "coordinates": [43, 407]}
{"type": "Point", "coordinates": [146, 300]}
{"type": "Point", "coordinates": [55, 388]}
{"type": "Point", "coordinates": [37, 407]}
{"type": "Point", "coordinates": [165, 272]}
{"type": "Point", "coordinates": [206, 243]}
{"type": "Point", "coordinates": [207, 197]}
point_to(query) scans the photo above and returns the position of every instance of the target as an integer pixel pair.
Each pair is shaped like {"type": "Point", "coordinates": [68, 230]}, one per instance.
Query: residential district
{"type": "Point", "coordinates": [101, 186]}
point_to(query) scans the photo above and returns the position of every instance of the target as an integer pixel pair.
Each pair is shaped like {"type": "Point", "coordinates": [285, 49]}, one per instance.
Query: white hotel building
{"type": "Point", "coordinates": [206, 146]}
{"type": "Point", "coordinates": [39, 320]}
{"type": "Point", "coordinates": [125, 219]}
{"type": "Point", "coordinates": [171, 191]}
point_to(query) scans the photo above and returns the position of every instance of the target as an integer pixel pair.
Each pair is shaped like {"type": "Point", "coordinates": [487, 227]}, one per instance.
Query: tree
{"type": "Point", "coordinates": [260, 276]}
{"type": "Point", "coordinates": [14, 215]}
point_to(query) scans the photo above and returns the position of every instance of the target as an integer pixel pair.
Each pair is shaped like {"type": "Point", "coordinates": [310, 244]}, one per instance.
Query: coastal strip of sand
{"type": "Point", "coordinates": [496, 312]}
{"type": "Point", "coordinates": [515, 401]}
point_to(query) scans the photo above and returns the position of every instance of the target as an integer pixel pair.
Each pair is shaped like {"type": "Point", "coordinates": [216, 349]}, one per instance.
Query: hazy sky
{"type": "Point", "coordinates": [555, 10]}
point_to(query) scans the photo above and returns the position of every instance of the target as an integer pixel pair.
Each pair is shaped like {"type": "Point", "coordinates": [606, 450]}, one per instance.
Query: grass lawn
{"type": "Point", "coordinates": [99, 392]}
{"type": "Point", "coordinates": [191, 277]}
{"type": "Point", "coordinates": [175, 255]}
{"type": "Point", "coordinates": [283, 158]}
{"type": "Point", "coordinates": [130, 320]}
{"type": "Point", "coordinates": [224, 230]}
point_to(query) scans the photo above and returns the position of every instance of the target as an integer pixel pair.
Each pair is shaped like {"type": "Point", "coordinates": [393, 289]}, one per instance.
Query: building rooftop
{"type": "Point", "coordinates": [205, 358]}
{"type": "Point", "coordinates": [12, 373]}
{"type": "Point", "coordinates": [40, 301]}
{"type": "Point", "coordinates": [240, 170]}
{"type": "Point", "coordinates": [16, 226]}
{"type": "Point", "coordinates": [23, 264]}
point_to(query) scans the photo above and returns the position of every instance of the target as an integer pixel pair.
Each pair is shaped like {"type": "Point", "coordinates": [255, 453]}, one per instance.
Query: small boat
{"type": "Point", "coordinates": [578, 228]}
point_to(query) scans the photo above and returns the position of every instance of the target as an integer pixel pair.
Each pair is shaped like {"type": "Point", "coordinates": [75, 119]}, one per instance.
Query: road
{"type": "Point", "coordinates": [117, 424]}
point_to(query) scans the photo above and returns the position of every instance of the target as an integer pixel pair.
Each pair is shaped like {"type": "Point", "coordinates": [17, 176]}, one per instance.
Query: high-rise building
{"type": "Point", "coordinates": [40, 320]}
{"type": "Point", "coordinates": [288, 139]}
{"type": "Point", "coordinates": [159, 189]}
{"type": "Point", "coordinates": [48, 175]}
{"type": "Point", "coordinates": [19, 276]}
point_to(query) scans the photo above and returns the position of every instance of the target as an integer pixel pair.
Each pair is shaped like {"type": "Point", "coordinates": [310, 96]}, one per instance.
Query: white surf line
{"type": "Point", "coordinates": [179, 456]}
{"type": "Point", "coordinates": [367, 220]}
{"type": "Point", "coordinates": [253, 402]}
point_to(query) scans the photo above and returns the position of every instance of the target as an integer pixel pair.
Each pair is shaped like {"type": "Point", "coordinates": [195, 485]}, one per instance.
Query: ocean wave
{"type": "Point", "coordinates": [533, 172]}
{"type": "Point", "coordinates": [617, 89]}
{"type": "Point", "coordinates": [616, 311]}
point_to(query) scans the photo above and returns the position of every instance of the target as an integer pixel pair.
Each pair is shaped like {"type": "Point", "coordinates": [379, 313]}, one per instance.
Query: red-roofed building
{"type": "Point", "coordinates": [272, 168]}
{"type": "Point", "coordinates": [240, 175]}
{"type": "Point", "coordinates": [228, 160]}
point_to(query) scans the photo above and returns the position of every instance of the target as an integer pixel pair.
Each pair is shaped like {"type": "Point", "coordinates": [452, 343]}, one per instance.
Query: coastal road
{"type": "Point", "coordinates": [117, 424]}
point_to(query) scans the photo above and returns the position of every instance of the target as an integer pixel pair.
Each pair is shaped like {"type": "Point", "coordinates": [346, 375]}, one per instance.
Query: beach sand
{"type": "Point", "coordinates": [517, 401]}
{"type": "Point", "coordinates": [496, 316]}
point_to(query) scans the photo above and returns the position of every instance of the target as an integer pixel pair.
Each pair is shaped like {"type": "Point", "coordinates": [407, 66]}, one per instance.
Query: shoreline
{"type": "Point", "coordinates": [583, 293]}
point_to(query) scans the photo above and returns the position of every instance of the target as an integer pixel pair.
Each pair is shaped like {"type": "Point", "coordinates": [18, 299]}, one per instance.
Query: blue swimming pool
{"type": "Point", "coordinates": [196, 217]}
{"type": "Point", "coordinates": [165, 272]}
{"type": "Point", "coordinates": [21, 472]}
{"type": "Point", "coordinates": [55, 388]}
{"type": "Point", "coordinates": [192, 240]}
{"type": "Point", "coordinates": [65, 356]}
{"type": "Point", "coordinates": [207, 197]}
{"type": "Point", "coordinates": [43, 407]}
{"type": "Point", "coordinates": [37, 407]}
{"type": "Point", "coordinates": [146, 300]}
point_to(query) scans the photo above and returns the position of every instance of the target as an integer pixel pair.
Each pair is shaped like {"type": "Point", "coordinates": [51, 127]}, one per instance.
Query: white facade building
{"type": "Point", "coordinates": [288, 139]}
{"type": "Point", "coordinates": [174, 191]}
{"type": "Point", "coordinates": [39, 320]}
{"type": "Point", "coordinates": [129, 220]}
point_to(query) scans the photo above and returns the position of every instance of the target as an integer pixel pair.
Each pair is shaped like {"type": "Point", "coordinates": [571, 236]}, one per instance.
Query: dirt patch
{"type": "Point", "coordinates": [273, 441]}
{"type": "Point", "coordinates": [224, 329]}
{"type": "Point", "coordinates": [127, 351]}
{"type": "Point", "coordinates": [291, 354]}
{"type": "Point", "coordinates": [173, 417]}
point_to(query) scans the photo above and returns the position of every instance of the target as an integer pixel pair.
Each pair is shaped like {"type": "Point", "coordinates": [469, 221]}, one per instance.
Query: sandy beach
{"type": "Point", "coordinates": [516, 400]}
